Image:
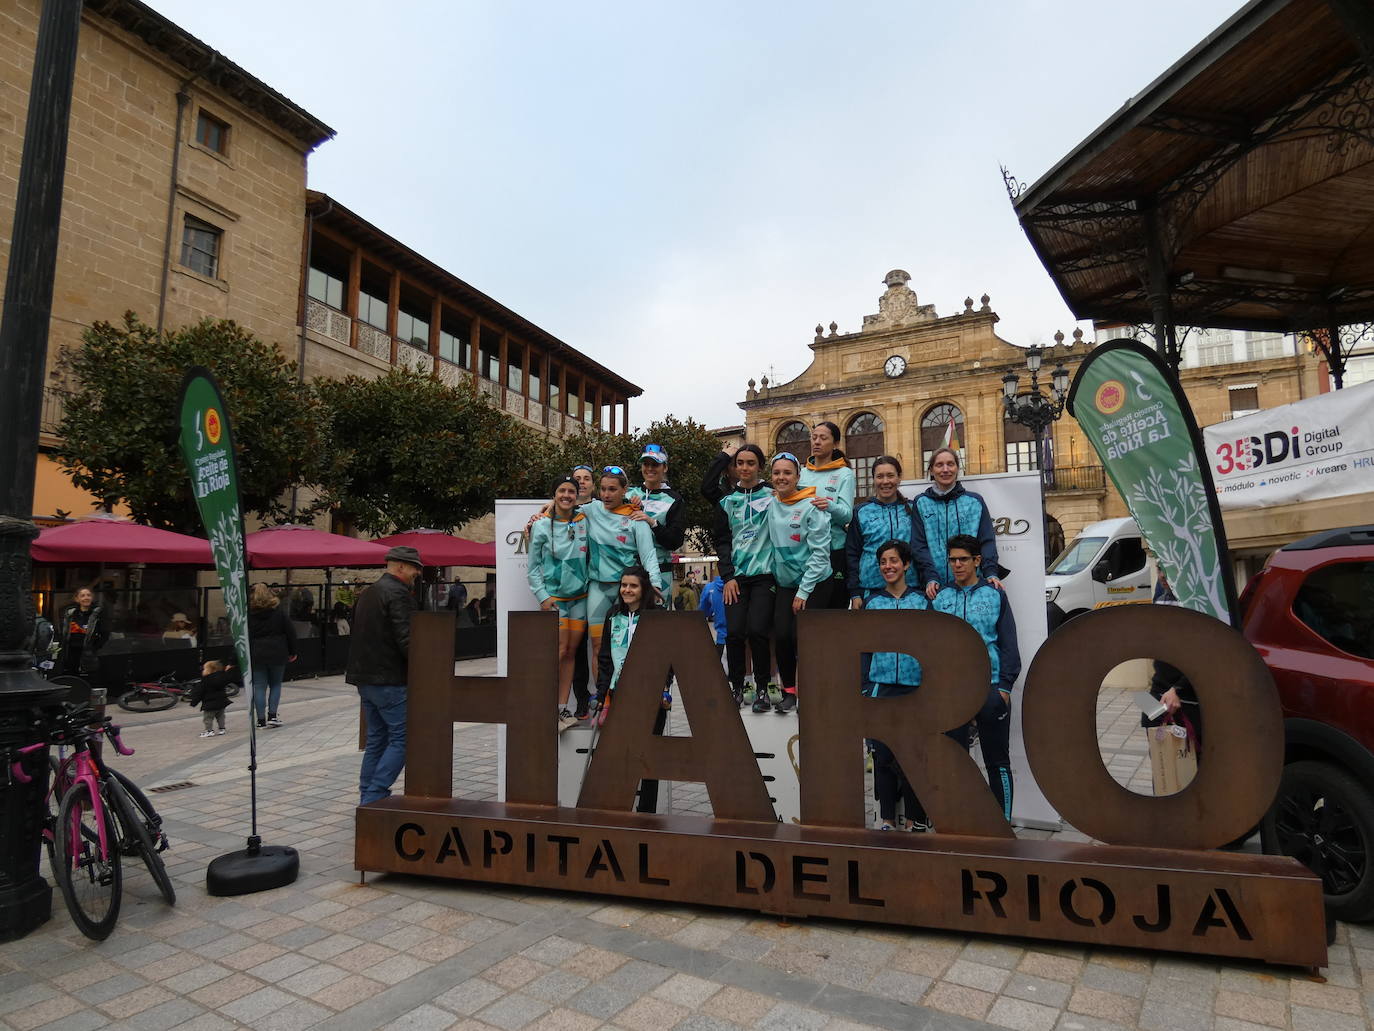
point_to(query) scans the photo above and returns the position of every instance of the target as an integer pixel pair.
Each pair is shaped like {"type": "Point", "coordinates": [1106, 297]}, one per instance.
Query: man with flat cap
{"type": "Point", "coordinates": [377, 658]}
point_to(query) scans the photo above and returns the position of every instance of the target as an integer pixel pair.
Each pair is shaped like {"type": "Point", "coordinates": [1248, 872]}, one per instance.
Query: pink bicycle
{"type": "Point", "coordinates": [101, 816]}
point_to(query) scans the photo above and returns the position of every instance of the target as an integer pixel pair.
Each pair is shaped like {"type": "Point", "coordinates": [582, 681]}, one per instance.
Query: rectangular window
{"type": "Point", "coordinates": [212, 133]}
{"type": "Point", "coordinates": [589, 412]}
{"type": "Point", "coordinates": [490, 364]}
{"type": "Point", "coordinates": [515, 373]}
{"type": "Point", "coordinates": [1263, 345]}
{"type": "Point", "coordinates": [453, 347]}
{"type": "Point", "coordinates": [413, 328]}
{"type": "Point", "coordinates": [326, 288]}
{"type": "Point", "coordinates": [1214, 347]}
{"type": "Point", "coordinates": [1244, 401]}
{"type": "Point", "coordinates": [536, 381]}
{"type": "Point", "coordinates": [372, 307]}
{"type": "Point", "coordinates": [574, 398]}
{"type": "Point", "coordinates": [200, 243]}
{"type": "Point", "coordinates": [554, 399]}
{"type": "Point", "coordinates": [1021, 456]}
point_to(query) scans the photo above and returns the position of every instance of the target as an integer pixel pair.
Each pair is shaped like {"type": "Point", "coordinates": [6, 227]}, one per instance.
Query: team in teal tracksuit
{"type": "Point", "coordinates": [558, 566]}
{"type": "Point", "coordinates": [833, 480]}
{"type": "Point", "coordinates": [875, 523]}
{"type": "Point", "coordinates": [988, 611]}
{"type": "Point", "coordinates": [942, 516]}
{"type": "Point", "coordinates": [800, 536]}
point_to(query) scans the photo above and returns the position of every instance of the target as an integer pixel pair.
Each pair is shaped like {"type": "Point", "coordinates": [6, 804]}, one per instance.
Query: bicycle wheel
{"type": "Point", "coordinates": [146, 699]}
{"type": "Point", "coordinates": [91, 881]}
{"type": "Point", "coordinates": [59, 774]}
{"type": "Point", "coordinates": [140, 830]}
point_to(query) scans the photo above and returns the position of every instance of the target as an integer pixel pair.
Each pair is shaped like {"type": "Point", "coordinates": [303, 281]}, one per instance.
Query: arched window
{"type": "Point", "coordinates": [795, 437]}
{"type": "Point", "coordinates": [942, 426]}
{"type": "Point", "coordinates": [863, 442]}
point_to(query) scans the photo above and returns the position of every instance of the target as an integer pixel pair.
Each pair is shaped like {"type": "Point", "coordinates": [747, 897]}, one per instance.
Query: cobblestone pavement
{"type": "Point", "coordinates": [410, 953]}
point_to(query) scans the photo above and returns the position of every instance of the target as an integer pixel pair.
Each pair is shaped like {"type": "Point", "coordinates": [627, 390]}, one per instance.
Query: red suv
{"type": "Point", "coordinates": [1310, 614]}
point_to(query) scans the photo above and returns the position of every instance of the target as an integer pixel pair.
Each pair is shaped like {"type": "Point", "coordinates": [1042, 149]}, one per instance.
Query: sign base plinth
{"type": "Point", "coordinates": [1244, 906]}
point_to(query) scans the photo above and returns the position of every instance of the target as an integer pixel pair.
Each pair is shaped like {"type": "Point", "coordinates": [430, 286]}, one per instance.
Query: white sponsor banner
{"type": "Point", "coordinates": [1013, 501]}
{"type": "Point", "coordinates": [1322, 447]}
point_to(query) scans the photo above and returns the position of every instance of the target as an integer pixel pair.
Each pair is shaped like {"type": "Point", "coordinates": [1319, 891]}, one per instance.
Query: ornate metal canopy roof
{"type": "Point", "coordinates": [1236, 191]}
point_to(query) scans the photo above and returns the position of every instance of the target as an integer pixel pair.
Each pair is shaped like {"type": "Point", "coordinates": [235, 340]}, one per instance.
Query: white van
{"type": "Point", "coordinates": [1105, 562]}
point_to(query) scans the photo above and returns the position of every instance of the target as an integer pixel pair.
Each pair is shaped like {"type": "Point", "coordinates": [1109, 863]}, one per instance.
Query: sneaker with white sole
{"type": "Point", "coordinates": [208, 733]}
{"type": "Point", "coordinates": [566, 720]}
{"type": "Point", "coordinates": [273, 720]}
{"type": "Point", "coordinates": [220, 731]}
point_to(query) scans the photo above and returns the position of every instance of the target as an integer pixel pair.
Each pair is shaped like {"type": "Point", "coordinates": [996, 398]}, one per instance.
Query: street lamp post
{"type": "Point", "coordinates": [25, 897]}
{"type": "Point", "coordinates": [1036, 410]}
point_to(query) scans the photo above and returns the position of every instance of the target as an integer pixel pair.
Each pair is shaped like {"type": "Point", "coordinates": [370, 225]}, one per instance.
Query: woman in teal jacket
{"type": "Point", "coordinates": [800, 536]}
{"type": "Point", "coordinates": [557, 575]}
{"type": "Point", "coordinates": [884, 517]}
{"type": "Point", "coordinates": [829, 472]}
{"type": "Point", "coordinates": [616, 542]}
{"type": "Point", "coordinates": [745, 553]}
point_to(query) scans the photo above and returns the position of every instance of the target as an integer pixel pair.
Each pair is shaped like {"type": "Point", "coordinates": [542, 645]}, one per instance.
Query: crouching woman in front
{"type": "Point", "coordinates": [890, 674]}
{"type": "Point", "coordinates": [637, 595]}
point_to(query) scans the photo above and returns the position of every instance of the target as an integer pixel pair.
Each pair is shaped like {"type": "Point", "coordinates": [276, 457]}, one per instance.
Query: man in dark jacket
{"type": "Point", "coordinates": [377, 658]}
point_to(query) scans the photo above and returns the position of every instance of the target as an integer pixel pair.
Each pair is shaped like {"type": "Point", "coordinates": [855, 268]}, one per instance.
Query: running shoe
{"type": "Point", "coordinates": [566, 720]}
{"type": "Point", "coordinates": [918, 826]}
{"type": "Point", "coordinates": [220, 731]}
{"type": "Point", "coordinates": [208, 733]}
{"type": "Point", "coordinates": [581, 713]}
{"type": "Point", "coordinates": [787, 704]}
{"type": "Point", "coordinates": [762, 704]}
{"type": "Point", "coordinates": [274, 720]}
{"type": "Point", "coordinates": [739, 698]}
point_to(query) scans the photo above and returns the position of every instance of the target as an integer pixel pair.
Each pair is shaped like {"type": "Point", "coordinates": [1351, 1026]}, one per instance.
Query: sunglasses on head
{"type": "Point", "coordinates": [614, 470]}
{"type": "Point", "coordinates": [787, 455]}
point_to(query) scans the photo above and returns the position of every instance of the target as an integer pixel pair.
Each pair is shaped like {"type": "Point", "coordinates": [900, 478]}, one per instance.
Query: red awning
{"type": "Point", "coordinates": [114, 541]}
{"type": "Point", "coordinates": [437, 548]}
{"type": "Point", "coordinates": [301, 547]}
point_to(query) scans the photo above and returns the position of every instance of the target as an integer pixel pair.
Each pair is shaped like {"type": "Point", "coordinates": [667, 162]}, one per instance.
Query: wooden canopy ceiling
{"type": "Point", "coordinates": [1236, 191]}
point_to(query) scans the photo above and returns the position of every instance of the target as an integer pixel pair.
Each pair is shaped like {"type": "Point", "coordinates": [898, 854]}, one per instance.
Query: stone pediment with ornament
{"type": "Point", "coordinates": [898, 306]}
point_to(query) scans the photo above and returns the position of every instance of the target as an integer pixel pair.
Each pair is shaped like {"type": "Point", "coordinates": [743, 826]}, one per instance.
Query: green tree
{"type": "Point", "coordinates": [119, 431]}
{"type": "Point", "coordinates": [690, 446]}
{"type": "Point", "coordinates": [405, 451]}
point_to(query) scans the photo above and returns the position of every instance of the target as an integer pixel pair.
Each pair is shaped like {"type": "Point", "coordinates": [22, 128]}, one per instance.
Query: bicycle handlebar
{"type": "Point", "coordinates": [74, 722]}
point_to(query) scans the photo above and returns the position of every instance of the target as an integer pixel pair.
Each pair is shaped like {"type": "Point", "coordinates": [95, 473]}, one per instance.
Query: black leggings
{"type": "Point", "coordinates": [748, 621]}
{"type": "Point", "coordinates": [582, 674]}
{"type": "Point", "coordinates": [648, 789]}
{"type": "Point", "coordinates": [785, 636]}
{"type": "Point", "coordinates": [831, 592]}
{"type": "Point", "coordinates": [994, 739]}
{"type": "Point", "coordinates": [889, 783]}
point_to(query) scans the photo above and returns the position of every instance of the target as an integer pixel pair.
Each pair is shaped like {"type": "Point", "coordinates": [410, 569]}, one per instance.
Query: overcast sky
{"type": "Point", "coordinates": [684, 191]}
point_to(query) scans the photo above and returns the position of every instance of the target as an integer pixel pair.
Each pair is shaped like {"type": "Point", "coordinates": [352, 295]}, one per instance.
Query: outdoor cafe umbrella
{"type": "Point", "coordinates": [112, 540]}
{"type": "Point", "coordinates": [301, 547]}
{"type": "Point", "coordinates": [438, 548]}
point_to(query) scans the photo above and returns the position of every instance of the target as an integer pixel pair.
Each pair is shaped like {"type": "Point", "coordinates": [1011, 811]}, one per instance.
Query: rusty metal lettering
{"type": "Point", "coordinates": [1239, 770]}
{"type": "Point", "coordinates": [524, 701]}
{"type": "Point", "coordinates": [835, 718]}
{"type": "Point", "coordinates": [717, 754]}
{"type": "Point", "coordinates": [972, 877]}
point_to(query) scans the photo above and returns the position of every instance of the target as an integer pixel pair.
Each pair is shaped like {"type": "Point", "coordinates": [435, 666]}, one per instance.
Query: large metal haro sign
{"type": "Point", "coordinates": [1153, 883]}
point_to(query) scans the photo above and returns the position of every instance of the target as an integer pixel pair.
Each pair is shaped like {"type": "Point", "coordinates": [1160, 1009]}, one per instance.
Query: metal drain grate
{"type": "Point", "coordinates": [172, 787]}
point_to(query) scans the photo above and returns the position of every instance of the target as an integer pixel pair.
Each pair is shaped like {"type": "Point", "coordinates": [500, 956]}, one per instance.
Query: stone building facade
{"type": "Point", "coordinates": [909, 380]}
{"type": "Point", "coordinates": [185, 197]}
{"type": "Point", "coordinates": [184, 190]}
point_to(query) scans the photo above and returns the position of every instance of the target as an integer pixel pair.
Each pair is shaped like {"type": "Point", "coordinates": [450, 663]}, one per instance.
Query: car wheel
{"type": "Point", "coordinates": [1323, 818]}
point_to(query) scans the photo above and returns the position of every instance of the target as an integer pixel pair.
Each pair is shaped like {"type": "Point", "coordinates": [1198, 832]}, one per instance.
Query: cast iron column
{"type": "Point", "coordinates": [25, 898]}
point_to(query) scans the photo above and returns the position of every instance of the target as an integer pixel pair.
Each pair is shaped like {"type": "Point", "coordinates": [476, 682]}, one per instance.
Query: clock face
{"type": "Point", "coordinates": [894, 366]}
